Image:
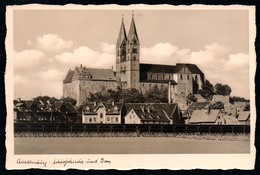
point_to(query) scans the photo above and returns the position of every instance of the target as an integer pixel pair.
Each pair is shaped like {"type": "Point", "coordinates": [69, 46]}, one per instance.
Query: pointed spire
{"type": "Point", "coordinates": [122, 33]}
{"type": "Point", "coordinates": [132, 31]}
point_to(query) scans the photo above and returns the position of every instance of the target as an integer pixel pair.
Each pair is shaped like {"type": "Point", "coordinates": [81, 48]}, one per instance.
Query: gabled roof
{"type": "Point", "coordinates": [68, 77]}
{"type": "Point", "coordinates": [230, 120]}
{"type": "Point", "coordinates": [96, 74]}
{"type": "Point", "coordinates": [70, 107]}
{"type": "Point", "coordinates": [243, 116]}
{"type": "Point", "coordinates": [192, 67]}
{"type": "Point", "coordinates": [110, 108]}
{"type": "Point", "coordinates": [197, 106]}
{"type": "Point", "coordinates": [202, 116]}
{"type": "Point", "coordinates": [29, 103]}
{"type": "Point", "coordinates": [152, 111]}
{"type": "Point", "coordinates": [102, 74]}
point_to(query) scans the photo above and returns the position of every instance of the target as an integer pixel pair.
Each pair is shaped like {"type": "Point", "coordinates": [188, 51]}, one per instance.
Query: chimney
{"type": "Point", "coordinates": [19, 99]}
{"type": "Point", "coordinates": [209, 109]}
{"type": "Point", "coordinates": [169, 92]}
{"type": "Point", "coordinates": [80, 65]}
{"type": "Point", "coordinates": [95, 103]}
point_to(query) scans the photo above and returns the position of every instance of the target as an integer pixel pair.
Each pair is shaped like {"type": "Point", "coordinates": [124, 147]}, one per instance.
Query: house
{"type": "Point", "coordinates": [196, 106]}
{"type": "Point", "coordinates": [152, 113]}
{"type": "Point", "coordinates": [207, 117]}
{"type": "Point", "coordinates": [230, 120]}
{"type": "Point", "coordinates": [244, 117]}
{"type": "Point", "coordinates": [103, 113]}
{"type": "Point", "coordinates": [24, 111]}
{"type": "Point", "coordinates": [45, 112]}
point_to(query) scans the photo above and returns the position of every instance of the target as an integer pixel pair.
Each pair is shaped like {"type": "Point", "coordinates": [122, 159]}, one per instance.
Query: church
{"type": "Point", "coordinates": [180, 79]}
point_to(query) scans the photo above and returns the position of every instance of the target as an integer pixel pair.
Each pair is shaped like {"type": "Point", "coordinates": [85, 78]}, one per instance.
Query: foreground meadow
{"type": "Point", "coordinates": [126, 145]}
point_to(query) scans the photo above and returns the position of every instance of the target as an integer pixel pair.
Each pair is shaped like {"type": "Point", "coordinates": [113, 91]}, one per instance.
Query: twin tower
{"type": "Point", "coordinates": [127, 57]}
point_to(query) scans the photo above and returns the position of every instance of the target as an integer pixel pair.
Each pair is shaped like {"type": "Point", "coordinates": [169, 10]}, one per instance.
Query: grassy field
{"type": "Point", "coordinates": [125, 145]}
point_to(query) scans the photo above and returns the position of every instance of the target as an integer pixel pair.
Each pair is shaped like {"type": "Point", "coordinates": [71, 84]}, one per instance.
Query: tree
{"type": "Point", "coordinates": [221, 89]}
{"type": "Point", "coordinates": [190, 98]}
{"type": "Point", "coordinates": [217, 105]}
{"type": "Point", "coordinates": [207, 90]}
{"type": "Point", "coordinates": [132, 96]}
{"type": "Point", "coordinates": [238, 99]}
{"type": "Point", "coordinates": [156, 95]}
{"type": "Point", "coordinates": [45, 99]}
{"type": "Point", "coordinates": [69, 99]}
{"type": "Point", "coordinates": [247, 107]}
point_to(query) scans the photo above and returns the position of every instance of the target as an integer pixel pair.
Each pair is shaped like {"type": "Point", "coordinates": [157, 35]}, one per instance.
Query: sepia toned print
{"type": "Point", "coordinates": [92, 85]}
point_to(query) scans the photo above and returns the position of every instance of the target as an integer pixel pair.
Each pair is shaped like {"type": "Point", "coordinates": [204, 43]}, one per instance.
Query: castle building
{"type": "Point", "coordinates": [180, 79]}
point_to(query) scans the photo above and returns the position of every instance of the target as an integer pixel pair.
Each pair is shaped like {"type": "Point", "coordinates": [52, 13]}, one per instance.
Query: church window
{"type": "Point", "coordinates": [134, 50]}
{"type": "Point", "coordinates": [181, 77]}
{"type": "Point", "coordinates": [101, 115]}
{"type": "Point", "coordinates": [188, 77]}
{"type": "Point", "coordinates": [134, 41]}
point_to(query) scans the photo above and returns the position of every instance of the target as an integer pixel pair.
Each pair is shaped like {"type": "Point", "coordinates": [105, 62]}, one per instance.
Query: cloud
{"type": "Point", "coordinates": [88, 57]}
{"type": "Point", "coordinates": [163, 53]}
{"type": "Point", "coordinates": [51, 75]}
{"type": "Point", "coordinates": [52, 43]}
{"type": "Point", "coordinates": [107, 48]}
{"type": "Point", "coordinates": [27, 58]}
{"type": "Point", "coordinates": [39, 73]}
{"type": "Point", "coordinates": [215, 60]}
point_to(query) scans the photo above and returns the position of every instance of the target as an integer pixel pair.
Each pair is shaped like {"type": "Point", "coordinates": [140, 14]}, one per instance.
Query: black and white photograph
{"type": "Point", "coordinates": [124, 87]}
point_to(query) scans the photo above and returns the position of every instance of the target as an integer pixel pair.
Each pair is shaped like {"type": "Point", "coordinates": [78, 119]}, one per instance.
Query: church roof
{"type": "Point", "coordinates": [158, 68]}
{"type": "Point", "coordinates": [122, 34]}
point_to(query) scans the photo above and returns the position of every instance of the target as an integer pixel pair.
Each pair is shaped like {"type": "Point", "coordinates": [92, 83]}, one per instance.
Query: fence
{"type": "Point", "coordinates": [92, 129]}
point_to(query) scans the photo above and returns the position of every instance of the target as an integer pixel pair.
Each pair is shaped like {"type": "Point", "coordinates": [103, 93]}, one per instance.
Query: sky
{"type": "Point", "coordinates": [47, 43]}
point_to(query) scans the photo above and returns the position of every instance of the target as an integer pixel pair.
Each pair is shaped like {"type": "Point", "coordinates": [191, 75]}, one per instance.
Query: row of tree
{"type": "Point", "coordinates": [208, 90]}
{"type": "Point", "coordinates": [154, 95]}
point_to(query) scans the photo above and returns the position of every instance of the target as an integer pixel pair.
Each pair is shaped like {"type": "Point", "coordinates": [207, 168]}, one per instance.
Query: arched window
{"type": "Point", "coordinates": [188, 77]}
{"type": "Point", "coordinates": [196, 78]}
{"type": "Point", "coordinates": [181, 77]}
{"type": "Point", "coordinates": [163, 77]}
{"type": "Point", "coordinates": [134, 50]}
{"type": "Point", "coordinates": [134, 57]}
{"type": "Point", "coordinates": [157, 77]}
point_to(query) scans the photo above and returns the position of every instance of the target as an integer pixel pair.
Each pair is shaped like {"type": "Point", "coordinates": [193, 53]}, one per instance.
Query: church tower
{"type": "Point", "coordinates": [127, 57]}
{"type": "Point", "coordinates": [132, 57]}
{"type": "Point", "coordinates": [121, 52]}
